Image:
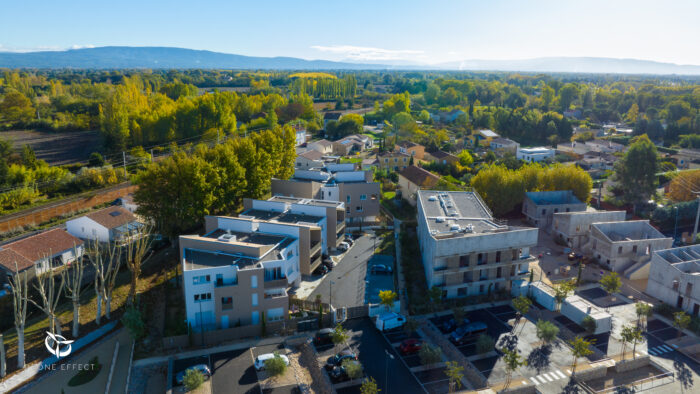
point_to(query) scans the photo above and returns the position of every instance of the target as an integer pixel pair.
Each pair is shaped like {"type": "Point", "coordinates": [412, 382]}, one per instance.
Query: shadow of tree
{"type": "Point", "coordinates": [509, 342]}
{"type": "Point", "coordinates": [539, 358]}
{"type": "Point", "coordinates": [571, 388]}
{"type": "Point", "coordinates": [624, 390]}
{"type": "Point", "coordinates": [683, 373]}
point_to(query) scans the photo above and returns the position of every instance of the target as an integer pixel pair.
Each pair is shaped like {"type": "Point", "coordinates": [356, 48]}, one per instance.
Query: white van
{"type": "Point", "coordinates": [260, 360]}
{"type": "Point", "coordinates": [390, 320]}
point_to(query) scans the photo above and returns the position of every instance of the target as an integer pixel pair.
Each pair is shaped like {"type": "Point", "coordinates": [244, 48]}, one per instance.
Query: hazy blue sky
{"type": "Point", "coordinates": [419, 31]}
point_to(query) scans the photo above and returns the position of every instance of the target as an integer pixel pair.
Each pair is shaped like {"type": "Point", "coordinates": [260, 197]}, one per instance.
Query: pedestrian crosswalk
{"type": "Point", "coordinates": [658, 350]}
{"type": "Point", "coordinates": [548, 377]}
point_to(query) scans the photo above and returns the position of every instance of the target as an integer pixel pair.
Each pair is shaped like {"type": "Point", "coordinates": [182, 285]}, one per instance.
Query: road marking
{"type": "Point", "coordinates": [560, 374]}
{"type": "Point", "coordinates": [547, 377]}
{"type": "Point", "coordinates": [542, 379]}
{"type": "Point", "coordinates": [568, 371]}
{"type": "Point", "coordinates": [652, 352]}
{"type": "Point", "coordinates": [667, 348]}
{"type": "Point", "coordinates": [535, 381]}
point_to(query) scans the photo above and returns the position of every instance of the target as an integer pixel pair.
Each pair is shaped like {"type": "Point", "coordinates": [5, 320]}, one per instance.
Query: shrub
{"type": "Point", "coordinates": [430, 354]}
{"type": "Point", "coordinates": [133, 321]}
{"type": "Point", "coordinates": [275, 366]}
{"type": "Point", "coordinates": [589, 324]}
{"type": "Point", "coordinates": [547, 331]}
{"type": "Point", "coordinates": [484, 344]}
{"type": "Point", "coordinates": [353, 369]}
{"type": "Point", "coordinates": [193, 379]}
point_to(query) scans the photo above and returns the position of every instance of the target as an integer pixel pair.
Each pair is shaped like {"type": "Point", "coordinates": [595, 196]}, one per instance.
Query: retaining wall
{"type": "Point", "coordinates": [628, 365]}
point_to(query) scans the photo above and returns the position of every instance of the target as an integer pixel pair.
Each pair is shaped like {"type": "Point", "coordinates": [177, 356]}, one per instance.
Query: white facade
{"type": "Point", "coordinates": [575, 227]}
{"type": "Point", "coordinates": [86, 228]}
{"type": "Point", "coordinates": [534, 155]}
{"type": "Point", "coordinates": [576, 309]}
{"type": "Point", "coordinates": [674, 278]}
{"type": "Point", "coordinates": [300, 136]}
{"type": "Point", "coordinates": [323, 146]}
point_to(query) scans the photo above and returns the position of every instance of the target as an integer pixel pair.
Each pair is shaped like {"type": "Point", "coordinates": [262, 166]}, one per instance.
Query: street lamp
{"type": "Point", "coordinates": [330, 291]}
{"type": "Point", "coordinates": [675, 226]}
{"type": "Point", "coordinates": [386, 370]}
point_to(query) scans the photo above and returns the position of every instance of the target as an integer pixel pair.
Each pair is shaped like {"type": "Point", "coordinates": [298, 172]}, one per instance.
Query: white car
{"type": "Point", "coordinates": [202, 368]}
{"type": "Point", "coordinates": [343, 246]}
{"type": "Point", "coordinates": [260, 360]}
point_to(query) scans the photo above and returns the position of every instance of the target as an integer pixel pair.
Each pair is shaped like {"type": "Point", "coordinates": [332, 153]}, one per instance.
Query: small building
{"type": "Point", "coordinates": [112, 224]}
{"type": "Point", "coordinates": [128, 203]}
{"type": "Point", "coordinates": [323, 146]}
{"type": "Point", "coordinates": [539, 207]}
{"type": "Point", "coordinates": [331, 116]}
{"type": "Point", "coordinates": [687, 159]}
{"type": "Point", "coordinates": [352, 143]}
{"type": "Point", "coordinates": [604, 146]}
{"type": "Point", "coordinates": [411, 148]}
{"type": "Point", "coordinates": [535, 155]}
{"type": "Point", "coordinates": [441, 157]}
{"type": "Point", "coordinates": [576, 309]}
{"type": "Point", "coordinates": [393, 161]}
{"type": "Point", "coordinates": [674, 278]}
{"type": "Point", "coordinates": [40, 252]}
{"type": "Point", "coordinates": [502, 145]}
{"type": "Point", "coordinates": [574, 228]}
{"type": "Point", "coordinates": [412, 179]}
{"type": "Point", "coordinates": [309, 159]}
{"type": "Point", "coordinates": [447, 116]}
{"type": "Point", "coordinates": [299, 135]}
{"type": "Point", "coordinates": [369, 164]}
{"type": "Point", "coordinates": [626, 247]}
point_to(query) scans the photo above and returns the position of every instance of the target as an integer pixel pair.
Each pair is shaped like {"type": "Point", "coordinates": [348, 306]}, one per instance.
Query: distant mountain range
{"type": "Point", "coordinates": [115, 57]}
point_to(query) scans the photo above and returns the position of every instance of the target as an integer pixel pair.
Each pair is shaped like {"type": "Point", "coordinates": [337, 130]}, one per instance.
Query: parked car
{"type": "Point", "coordinates": [327, 264]}
{"type": "Point", "coordinates": [467, 331]}
{"type": "Point", "coordinates": [202, 368]}
{"type": "Point", "coordinates": [260, 360]}
{"type": "Point", "coordinates": [452, 325]}
{"type": "Point", "coordinates": [337, 360]}
{"type": "Point", "coordinates": [323, 336]}
{"type": "Point", "coordinates": [321, 270]}
{"type": "Point", "coordinates": [410, 346]}
{"type": "Point", "coordinates": [339, 374]}
{"type": "Point", "coordinates": [349, 241]}
{"type": "Point", "coordinates": [343, 246]}
{"type": "Point", "coordinates": [380, 269]}
{"type": "Point", "coordinates": [390, 320]}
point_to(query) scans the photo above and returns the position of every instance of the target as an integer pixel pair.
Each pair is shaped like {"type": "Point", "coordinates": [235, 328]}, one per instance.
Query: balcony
{"type": "Point", "coordinates": [275, 283]}
{"type": "Point", "coordinates": [315, 248]}
{"type": "Point", "coordinates": [275, 294]}
{"type": "Point", "coordinates": [225, 282]}
{"type": "Point", "coordinates": [340, 227]}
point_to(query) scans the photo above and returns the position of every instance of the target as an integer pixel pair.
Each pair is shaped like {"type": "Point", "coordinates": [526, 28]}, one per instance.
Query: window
{"type": "Point", "coordinates": [358, 208]}
{"type": "Point", "coordinates": [254, 281]}
{"type": "Point", "coordinates": [634, 249]}
{"type": "Point", "coordinates": [462, 292]}
{"type": "Point", "coordinates": [480, 259]}
{"type": "Point", "coordinates": [226, 303]}
{"type": "Point", "coordinates": [202, 297]}
{"type": "Point", "coordinates": [396, 160]}
{"type": "Point", "coordinates": [544, 211]}
{"type": "Point", "coordinates": [481, 289]}
{"type": "Point", "coordinates": [347, 198]}
{"type": "Point", "coordinates": [255, 299]}
{"type": "Point", "coordinates": [363, 197]}
{"type": "Point", "coordinates": [619, 249]}
{"type": "Point", "coordinates": [198, 280]}
{"type": "Point", "coordinates": [467, 277]}
{"type": "Point", "coordinates": [498, 256]}
{"type": "Point", "coordinates": [347, 210]}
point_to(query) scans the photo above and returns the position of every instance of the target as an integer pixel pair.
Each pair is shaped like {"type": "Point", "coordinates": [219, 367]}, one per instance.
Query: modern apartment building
{"type": "Point", "coordinates": [626, 247]}
{"type": "Point", "coordinates": [674, 278]}
{"type": "Point", "coordinates": [466, 251]}
{"type": "Point", "coordinates": [336, 182]}
{"type": "Point", "coordinates": [238, 272]}
{"type": "Point", "coordinates": [574, 228]}
{"type": "Point", "coordinates": [539, 207]}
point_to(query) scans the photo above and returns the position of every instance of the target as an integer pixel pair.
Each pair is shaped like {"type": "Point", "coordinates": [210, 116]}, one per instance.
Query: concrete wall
{"type": "Point", "coordinates": [86, 228]}
{"type": "Point", "coordinates": [592, 373]}
{"type": "Point", "coordinates": [576, 309]}
{"type": "Point", "coordinates": [620, 255]}
{"type": "Point", "coordinates": [292, 188]}
{"type": "Point", "coordinates": [574, 227]}
{"type": "Point", "coordinates": [408, 190]}
{"type": "Point", "coordinates": [629, 365]}
{"type": "Point", "coordinates": [370, 206]}
{"type": "Point", "coordinates": [661, 284]}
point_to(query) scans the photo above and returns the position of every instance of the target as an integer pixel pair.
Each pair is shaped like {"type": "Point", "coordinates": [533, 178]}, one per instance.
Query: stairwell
{"type": "Point", "coordinates": [638, 270]}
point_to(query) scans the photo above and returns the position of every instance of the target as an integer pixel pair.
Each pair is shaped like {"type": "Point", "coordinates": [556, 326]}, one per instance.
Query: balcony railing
{"type": "Point", "coordinates": [315, 248]}
{"type": "Point", "coordinates": [275, 283]}
{"type": "Point", "coordinates": [225, 282]}
{"type": "Point", "coordinates": [339, 227]}
{"type": "Point", "coordinates": [275, 294]}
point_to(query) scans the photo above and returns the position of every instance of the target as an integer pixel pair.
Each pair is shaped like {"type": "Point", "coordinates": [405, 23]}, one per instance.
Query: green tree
{"type": "Point", "coordinates": [193, 379]}
{"type": "Point", "coordinates": [429, 354]}
{"type": "Point", "coordinates": [484, 344]}
{"type": "Point", "coordinates": [627, 336]}
{"type": "Point", "coordinates": [589, 324]}
{"type": "Point", "coordinates": [340, 335]}
{"type": "Point", "coordinates": [611, 283]}
{"type": "Point", "coordinates": [636, 337]}
{"type": "Point", "coordinates": [522, 305]}
{"type": "Point", "coordinates": [411, 325]}
{"type": "Point", "coordinates": [513, 361]}
{"type": "Point", "coordinates": [681, 320]}
{"type": "Point", "coordinates": [276, 365]}
{"type": "Point", "coordinates": [546, 331]}
{"type": "Point", "coordinates": [562, 290]}
{"type": "Point", "coordinates": [644, 312]}
{"type": "Point", "coordinates": [465, 158]}
{"type": "Point", "coordinates": [96, 160]}
{"type": "Point", "coordinates": [353, 369]}
{"type": "Point", "coordinates": [369, 386]}
{"type": "Point", "coordinates": [29, 157]}
{"type": "Point", "coordinates": [458, 314]}
{"type": "Point", "coordinates": [455, 374]}
{"type": "Point", "coordinates": [579, 348]}
{"type": "Point", "coordinates": [387, 298]}
{"type": "Point", "coordinates": [133, 321]}
{"type": "Point", "coordinates": [635, 173]}
{"type": "Point", "coordinates": [435, 294]}
{"type": "Point", "coordinates": [567, 94]}
{"type": "Point", "coordinates": [16, 108]}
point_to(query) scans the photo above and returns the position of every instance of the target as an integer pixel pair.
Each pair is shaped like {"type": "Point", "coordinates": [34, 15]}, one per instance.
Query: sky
{"type": "Point", "coordinates": [382, 31]}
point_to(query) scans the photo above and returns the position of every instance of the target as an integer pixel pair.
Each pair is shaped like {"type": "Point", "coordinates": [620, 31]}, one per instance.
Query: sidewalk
{"type": "Point", "coordinates": [401, 285]}
{"type": "Point", "coordinates": [58, 380]}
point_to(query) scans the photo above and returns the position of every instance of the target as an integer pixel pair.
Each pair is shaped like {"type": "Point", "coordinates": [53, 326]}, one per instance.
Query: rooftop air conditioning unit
{"type": "Point", "coordinates": [439, 219]}
{"type": "Point", "coordinates": [227, 238]}
{"type": "Point", "coordinates": [455, 227]}
{"type": "Point", "coordinates": [432, 198]}
{"type": "Point", "coordinates": [469, 228]}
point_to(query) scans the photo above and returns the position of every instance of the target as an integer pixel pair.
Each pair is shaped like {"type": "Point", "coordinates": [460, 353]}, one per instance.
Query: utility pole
{"type": "Point", "coordinates": [697, 216]}
{"type": "Point", "coordinates": [124, 162]}
{"type": "Point", "coordinates": [675, 225]}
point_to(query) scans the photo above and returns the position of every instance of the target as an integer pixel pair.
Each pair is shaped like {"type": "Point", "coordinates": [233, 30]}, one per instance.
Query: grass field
{"type": "Point", "coordinates": [57, 148]}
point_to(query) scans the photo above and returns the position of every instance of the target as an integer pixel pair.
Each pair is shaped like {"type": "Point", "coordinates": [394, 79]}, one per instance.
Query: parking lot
{"type": "Point", "coordinates": [378, 281]}
{"type": "Point", "coordinates": [600, 298]}
{"type": "Point", "coordinates": [371, 347]}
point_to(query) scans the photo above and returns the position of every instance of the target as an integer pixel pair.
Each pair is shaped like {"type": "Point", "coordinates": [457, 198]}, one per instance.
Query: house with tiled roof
{"type": "Point", "coordinates": [441, 157]}
{"type": "Point", "coordinates": [323, 146]}
{"type": "Point", "coordinates": [112, 224]}
{"type": "Point", "coordinates": [309, 159]}
{"type": "Point", "coordinates": [414, 178]}
{"type": "Point", "coordinates": [40, 252]}
{"type": "Point", "coordinates": [411, 148]}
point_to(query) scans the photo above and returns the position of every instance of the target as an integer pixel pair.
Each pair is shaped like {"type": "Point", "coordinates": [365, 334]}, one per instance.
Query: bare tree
{"type": "Point", "coordinates": [3, 363]}
{"type": "Point", "coordinates": [49, 295]}
{"type": "Point", "coordinates": [74, 279]}
{"type": "Point", "coordinates": [106, 263]}
{"type": "Point", "coordinates": [136, 249]}
{"type": "Point", "coordinates": [18, 282]}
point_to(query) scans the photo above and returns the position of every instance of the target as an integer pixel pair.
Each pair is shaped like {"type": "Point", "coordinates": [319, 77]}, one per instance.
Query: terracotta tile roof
{"type": "Point", "coordinates": [439, 154]}
{"type": "Point", "coordinates": [407, 144]}
{"type": "Point", "coordinates": [332, 115]}
{"type": "Point", "coordinates": [9, 257]}
{"type": "Point", "coordinates": [312, 155]}
{"type": "Point", "coordinates": [324, 143]}
{"type": "Point", "coordinates": [112, 217]}
{"type": "Point", "coordinates": [47, 243]}
{"type": "Point", "coordinates": [419, 176]}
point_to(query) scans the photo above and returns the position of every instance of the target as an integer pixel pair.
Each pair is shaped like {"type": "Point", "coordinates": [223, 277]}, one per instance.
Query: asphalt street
{"type": "Point", "coordinates": [348, 276]}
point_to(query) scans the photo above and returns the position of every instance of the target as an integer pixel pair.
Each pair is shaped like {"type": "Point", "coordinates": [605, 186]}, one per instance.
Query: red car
{"type": "Point", "coordinates": [410, 346]}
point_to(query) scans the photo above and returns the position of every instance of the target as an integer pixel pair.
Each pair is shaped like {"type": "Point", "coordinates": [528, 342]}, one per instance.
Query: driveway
{"type": "Point", "coordinates": [348, 275]}
{"type": "Point", "coordinates": [233, 372]}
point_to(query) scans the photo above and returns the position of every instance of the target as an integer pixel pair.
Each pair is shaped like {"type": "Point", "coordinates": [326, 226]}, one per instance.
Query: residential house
{"type": "Point", "coordinates": [441, 157]}
{"type": "Point", "coordinates": [411, 148]}
{"type": "Point", "coordinates": [112, 224]}
{"type": "Point", "coordinates": [412, 179]}
{"type": "Point", "coordinates": [393, 161]}
{"type": "Point", "coordinates": [299, 135]}
{"type": "Point", "coordinates": [309, 159]}
{"type": "Point", "coordinates": [626, 247]}
{"type": "Point", "coordinates": [502, 145]}
{"type": "Point", "coordinates": [687, 159]}
{"type": "Point", "coordinates": [369, 164]}
{"type": "Point", "coordinates": [447, 116]}
{"type": "Point", "coordinates": [39, 253]}
{"type": "Point", "coordinates": [465, 251]}
{"type": "Point", "coordinates": [539, 207]}
{"type": "Point", "coordinates": [348, 145]}
{"type": "Point", "coordinates": [331, 116]}
{"type": "Point", "coordinates": [605, 146]}
{"type": "Point", "coordinates": [323, 146]}
{"type": "Point", "coordinates": [572, 113]}
{"type": "Point", "coordinates": [674, 278]}
{"type": "Point", "coordinates": [534, 155]}
{"type": "Point", "coordinates": [483, 135]}
{"type": "Point", "coordinates": [339, 182]}
{"type": "Point", "coordinates": [597, 161]}
{"type": "Point", "coordinates": [574, 228]}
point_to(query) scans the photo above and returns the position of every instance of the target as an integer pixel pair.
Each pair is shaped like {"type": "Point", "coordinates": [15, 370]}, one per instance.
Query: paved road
{"type": "Point", "coordinates": [233, 372]}
{"type": "Point", "coordinates": [348, 275]}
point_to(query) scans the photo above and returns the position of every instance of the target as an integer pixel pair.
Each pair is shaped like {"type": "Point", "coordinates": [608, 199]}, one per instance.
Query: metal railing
{"type": "Point", "coordinates": [637, 386]}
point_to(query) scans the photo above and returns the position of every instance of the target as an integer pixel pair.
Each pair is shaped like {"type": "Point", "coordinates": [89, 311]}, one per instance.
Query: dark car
{"type": "Point", "coordinates": [328, 264]}
{"type": "Point", "coordinates": [339, 374]}
{"type": "Point", "coordinates": [323, 336]}
{"type": "Point", "coordinates": [410, 346]}
{"type": "Point", "coordinates": [337, 360]}
{"type": "Point", "coordinates": [350, 241]}
{"type": "Point", "coordinates": [467, 331]}
{"type": "Point", "coordinates": [451, 325]}
{"type": "Point", "coordinates": [380, 269]}
{"type": "Point", "coordinates": [321, 270]}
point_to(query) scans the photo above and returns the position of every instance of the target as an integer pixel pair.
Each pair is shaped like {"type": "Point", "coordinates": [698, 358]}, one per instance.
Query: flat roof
{"type": "Point", "coordinates": [583, 305]}
{"type": "Point", "coordinates": [207, 256]}
{"type": "Point", "coordinates": [201, 259]}
{"type": "Point", "coordinates": [454, 214]}
{"type": "Point", "coordinates": [283, 217]}
{"type": "Point", "coordinates": [556, 197]}
{"type": "Point", "coordinates": [306, 201]}
{"type": "Point", "coordinates": [632, 230]}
